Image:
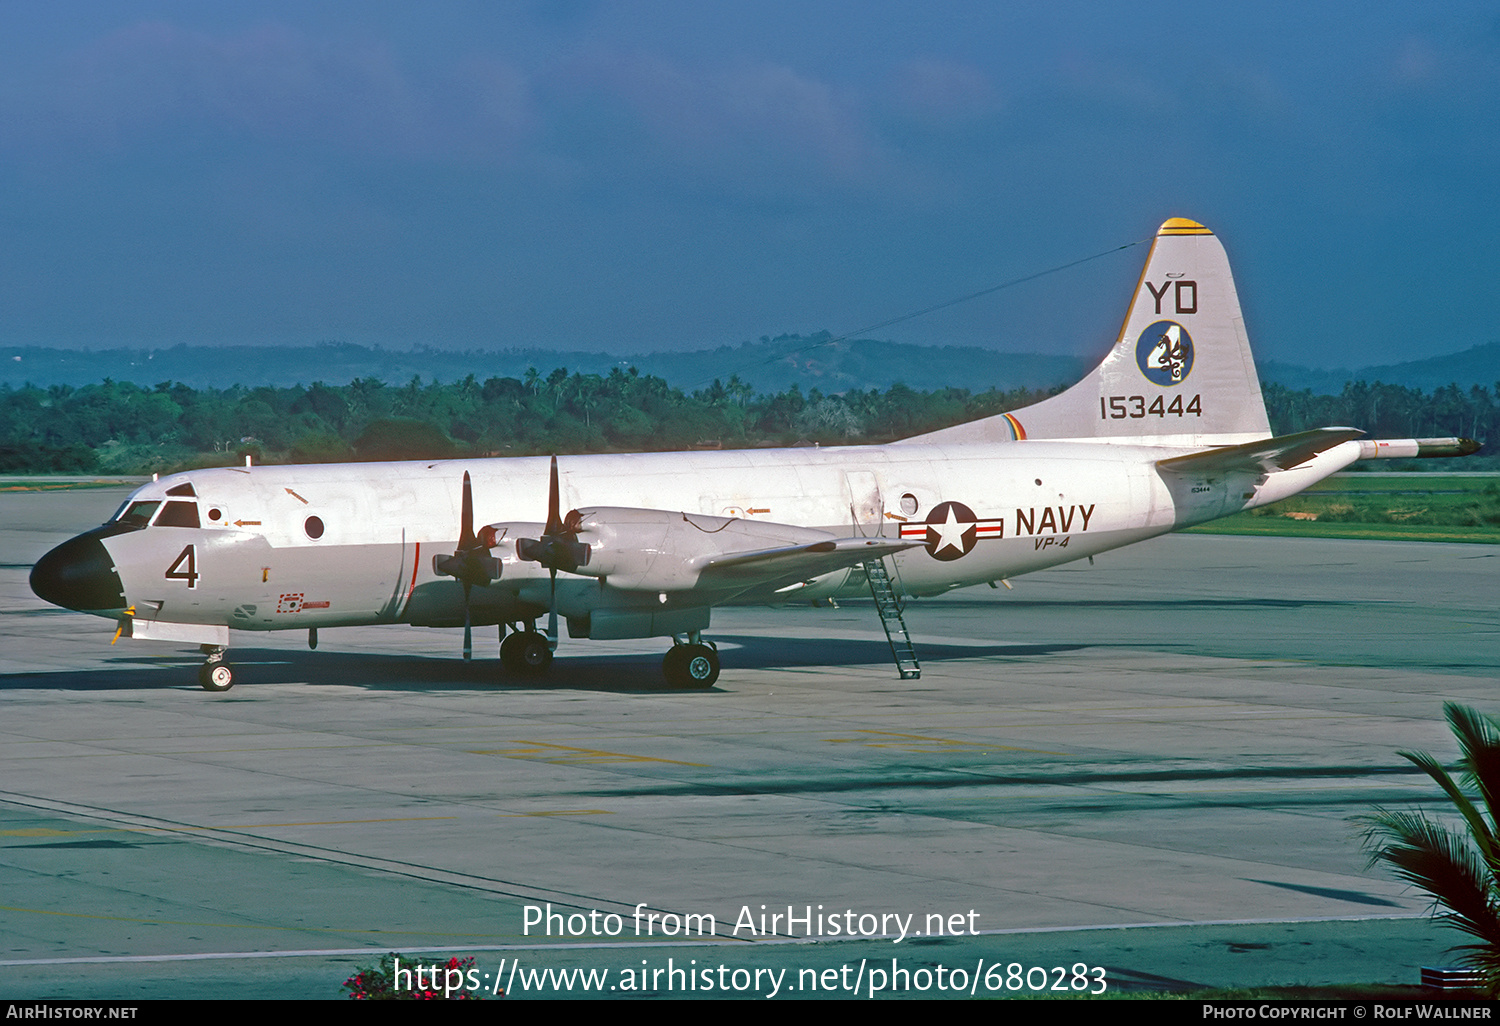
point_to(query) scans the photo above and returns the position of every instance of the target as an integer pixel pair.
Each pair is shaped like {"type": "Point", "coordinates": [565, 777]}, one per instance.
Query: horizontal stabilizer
{"type": "Point", "coordinates": [1265, 456]}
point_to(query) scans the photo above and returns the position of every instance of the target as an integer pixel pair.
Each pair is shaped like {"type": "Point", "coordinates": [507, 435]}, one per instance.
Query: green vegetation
{"type": "Point", "coordinates": [1429, 507]}
{"type": "Point", "coordinates": [1459, 868]}
{"type": "Point", "coordinates": [121, 428]}
{"type": "Point", "coordinates": [1387, 411]}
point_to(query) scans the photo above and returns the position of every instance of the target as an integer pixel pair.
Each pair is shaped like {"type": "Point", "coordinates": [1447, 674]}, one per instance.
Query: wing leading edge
{"type": "Point", "coordinates": [797, 562]}
{"type": "Point", "coordinates": [654, 550]}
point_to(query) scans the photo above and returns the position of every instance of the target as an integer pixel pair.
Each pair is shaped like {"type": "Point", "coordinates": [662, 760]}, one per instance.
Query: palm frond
{"type": "Point", "coordinates": [1483, 836]}
{"type": "Point", "coordinates": [1479, 741]}
{"type": "Point", "coordinates": [1459, 870]}
{"type": "Point", "coordinates": [1486, 959]}
{"type": "Point", "coordinates": [1443, 863]}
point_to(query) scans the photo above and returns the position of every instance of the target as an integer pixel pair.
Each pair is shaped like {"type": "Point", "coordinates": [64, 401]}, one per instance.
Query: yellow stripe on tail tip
{"type": "Point", "coordinates": [1182, 226]}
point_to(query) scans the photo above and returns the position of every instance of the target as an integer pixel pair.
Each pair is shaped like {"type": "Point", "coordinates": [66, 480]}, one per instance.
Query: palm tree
{"type": "Point", "coordinates": [1461, 870]}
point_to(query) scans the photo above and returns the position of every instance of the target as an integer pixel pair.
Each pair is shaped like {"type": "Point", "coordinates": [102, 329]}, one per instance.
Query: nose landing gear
{"type": "Point", "coordinates": [215, 674]}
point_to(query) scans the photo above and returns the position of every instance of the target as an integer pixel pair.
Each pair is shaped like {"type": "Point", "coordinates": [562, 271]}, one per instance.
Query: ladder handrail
{"type": "Point", "coordinates": [890, 609]}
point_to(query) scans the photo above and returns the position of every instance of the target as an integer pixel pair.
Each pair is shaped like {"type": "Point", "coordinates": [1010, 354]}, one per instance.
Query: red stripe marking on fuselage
{"type": "Point", "coordinates": [416, 559]}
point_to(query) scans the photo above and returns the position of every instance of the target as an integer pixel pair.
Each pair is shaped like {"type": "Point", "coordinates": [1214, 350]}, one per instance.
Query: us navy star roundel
{"type": "Point", "coordinates": [951, 530]}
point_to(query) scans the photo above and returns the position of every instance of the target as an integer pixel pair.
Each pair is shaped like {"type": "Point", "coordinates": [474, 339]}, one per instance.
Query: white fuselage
{"type": "Point", "coordinates": [260, 561]}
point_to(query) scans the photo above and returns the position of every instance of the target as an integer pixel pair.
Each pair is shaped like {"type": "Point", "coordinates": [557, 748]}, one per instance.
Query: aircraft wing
{"type": "Point", "coordinates": [654, 550]}
{"type": "Point", "coordinates": [1266, 456]}
{"type": "Point", "coordinates": [793, 562]}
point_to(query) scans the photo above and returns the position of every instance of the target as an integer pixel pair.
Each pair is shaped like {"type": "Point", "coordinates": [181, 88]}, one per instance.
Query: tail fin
{"type": "Point", "coordinates": [1180, 372]}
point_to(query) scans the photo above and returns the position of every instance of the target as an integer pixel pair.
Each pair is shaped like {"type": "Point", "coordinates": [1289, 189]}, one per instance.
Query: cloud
{"type": "Point", "coordinates": [943, 94]}
{"type": "Point", "coordinates": [753, 121]}
{"type": "Point", "coordinates": [272, 83]}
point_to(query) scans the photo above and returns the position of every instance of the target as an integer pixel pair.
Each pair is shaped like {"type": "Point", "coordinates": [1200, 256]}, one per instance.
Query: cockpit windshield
{"type": "Point", "coordinates": [138, 514]}
{"type": "Point", "coordinates": [178, 514]}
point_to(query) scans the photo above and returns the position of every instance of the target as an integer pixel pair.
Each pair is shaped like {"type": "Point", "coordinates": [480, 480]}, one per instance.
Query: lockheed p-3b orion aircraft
{"type": "Point", "coordinates": [1168, 431]}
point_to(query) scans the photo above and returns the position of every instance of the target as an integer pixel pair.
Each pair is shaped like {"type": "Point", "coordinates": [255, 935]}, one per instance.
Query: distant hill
{"type": "Point", "coordinates": [775, 365]}
{"type": "Point", "coordinates": [1477, 366]}
{"type": "Point", "coordinates": [768, 365]}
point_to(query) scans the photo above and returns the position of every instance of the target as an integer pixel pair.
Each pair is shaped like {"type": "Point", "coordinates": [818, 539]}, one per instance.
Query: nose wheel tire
{"type": "Point", "coordinates": [526, 654]}
{"type": "Point", "coordinates": [216, 676]}
{"type": "Point", "coordinates": [691, 667]}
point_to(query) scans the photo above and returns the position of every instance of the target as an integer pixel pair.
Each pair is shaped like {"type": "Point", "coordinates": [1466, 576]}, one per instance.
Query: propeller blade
{"type": "Point", "coordinates": [552, 613]}
{"type": "Point", "coordinates": [470, 563]}
{"type": "Point", "coordinates": [468, 627]}
{"type": "Point", "coordinates": [466, 539]}
{"type": "Point", "coordinates": [558, 548]}
{"type": "Point", "coordinates": [554, 517]}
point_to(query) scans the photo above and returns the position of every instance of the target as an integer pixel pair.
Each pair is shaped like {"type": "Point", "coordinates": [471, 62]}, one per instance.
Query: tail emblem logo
{"type": "Point", "coordinates": [1164, 352]}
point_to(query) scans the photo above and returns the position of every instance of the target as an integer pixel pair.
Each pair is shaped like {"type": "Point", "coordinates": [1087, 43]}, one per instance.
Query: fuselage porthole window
{"type": "Point", "coordinates": [314, 527]}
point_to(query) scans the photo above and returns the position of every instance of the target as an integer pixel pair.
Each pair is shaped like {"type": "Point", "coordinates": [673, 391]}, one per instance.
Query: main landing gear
{"type": "Point", "coordinates": [215, 674]}
{"type": "Point", "coordinates": [526, 653]}
{"type": "Point", "coordinates": [691, 666]}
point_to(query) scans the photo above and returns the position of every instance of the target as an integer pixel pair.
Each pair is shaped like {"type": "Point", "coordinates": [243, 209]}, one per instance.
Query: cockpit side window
{"type": "Point", "coordinates": [186, 488]}
{"type": "Point", "coordinates": [178, 514]}
{"type": "Point", "coordinates": [138, 514]}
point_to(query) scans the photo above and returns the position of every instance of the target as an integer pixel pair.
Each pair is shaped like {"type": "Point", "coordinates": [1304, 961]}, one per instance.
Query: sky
{"type": "Point", "coordinates": [663, 175]}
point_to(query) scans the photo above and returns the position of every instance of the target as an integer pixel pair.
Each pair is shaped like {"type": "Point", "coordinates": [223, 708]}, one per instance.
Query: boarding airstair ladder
{"type": "Point", "coordinates": [890, 618]}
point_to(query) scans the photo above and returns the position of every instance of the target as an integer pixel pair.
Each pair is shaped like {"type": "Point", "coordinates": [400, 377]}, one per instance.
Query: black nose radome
{"type": "Point", "coordinates": [79, 574]}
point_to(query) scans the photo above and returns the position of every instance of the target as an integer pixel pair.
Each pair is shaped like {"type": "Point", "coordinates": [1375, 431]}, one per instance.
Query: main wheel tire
{"type": "Point", "coordinates": [690, 666]}
{"type": "Point", "coordinates": [526, 654]}
{"type": "Point", "coordinates": [510, 653]}
{"type": "Point", "coordinates": [216, 676]}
